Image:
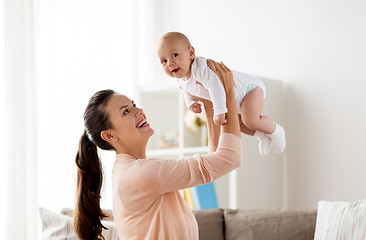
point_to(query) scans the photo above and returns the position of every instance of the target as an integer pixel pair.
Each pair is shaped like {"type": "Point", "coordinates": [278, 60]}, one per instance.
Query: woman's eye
{"type": "Point", "coordinates": [126, 111]}
{"type": "Point", "coordinates": [134, 105]}
{"type": "Point", "coordinates": [175, 55]}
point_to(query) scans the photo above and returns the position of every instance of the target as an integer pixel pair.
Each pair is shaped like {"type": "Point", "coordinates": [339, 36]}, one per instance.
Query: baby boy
{"type": "Point", "coordinates": [177, 57]}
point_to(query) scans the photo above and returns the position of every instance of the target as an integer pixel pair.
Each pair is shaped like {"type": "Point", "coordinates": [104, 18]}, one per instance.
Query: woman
{"type": "Point", "coordinates": [146, 200]}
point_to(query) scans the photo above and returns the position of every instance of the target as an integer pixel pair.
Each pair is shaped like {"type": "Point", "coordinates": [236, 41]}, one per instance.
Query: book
{"type": "Point", "coordinates": [204, 196]}
{"type": "Point", "coordinates": [188, 197]}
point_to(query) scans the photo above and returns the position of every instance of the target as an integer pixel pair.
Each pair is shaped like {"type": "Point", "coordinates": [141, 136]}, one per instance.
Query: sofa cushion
{"type": "Point", "coordinates": [210, 224]}
{"type": "Point", "coordinates": [61, 226]}
{"type": "Point", "coordinates": [269, 224]}
{"type": "Point", "coordinates": [341, 220]}
{"type": "Point", "coordinates": [70, 212]}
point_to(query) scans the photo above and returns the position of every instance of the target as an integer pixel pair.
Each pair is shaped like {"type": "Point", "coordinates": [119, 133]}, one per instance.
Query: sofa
{"type": "Point", "coordinates": [218, 224]}
{"type": "Point", "coordinates": [332, 220]}
{"type": "Point", "coordinates": [230, 224]}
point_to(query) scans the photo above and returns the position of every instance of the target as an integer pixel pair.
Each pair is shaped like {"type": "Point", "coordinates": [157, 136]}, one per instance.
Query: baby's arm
{"type": "Point", "coordinates": [217, 93]}
{"type": "Point", "coordinates": [191, 103]}
{"type": "Point", "coordinates": [196, 108]}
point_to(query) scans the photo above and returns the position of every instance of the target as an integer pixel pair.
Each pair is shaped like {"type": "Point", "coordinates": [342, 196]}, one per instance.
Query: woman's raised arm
{"type": "Point", "coordinates": [226, 77]}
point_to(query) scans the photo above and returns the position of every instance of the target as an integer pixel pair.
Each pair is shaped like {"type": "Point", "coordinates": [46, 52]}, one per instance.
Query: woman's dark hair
{"type": "Point", "coordinates": [88, 214]}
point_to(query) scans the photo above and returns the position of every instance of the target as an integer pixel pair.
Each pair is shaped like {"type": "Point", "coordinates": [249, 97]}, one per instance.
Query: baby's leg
{"type": "Point", "coordinates": [251, 112]}
{"type": "Point", "coordinates": [269, 134]}
{"type": "Point", "coordinates": [264, 140]}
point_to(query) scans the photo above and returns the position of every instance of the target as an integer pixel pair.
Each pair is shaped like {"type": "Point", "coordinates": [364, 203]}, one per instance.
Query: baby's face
{"type": "Point", "coordinates": [176, 58]}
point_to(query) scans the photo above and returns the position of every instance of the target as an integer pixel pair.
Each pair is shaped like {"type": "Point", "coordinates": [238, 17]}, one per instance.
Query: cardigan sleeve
{"type": "Point", "coordinates": [200, 169]}
{"type": "Point", "coordinates": [139, 182]}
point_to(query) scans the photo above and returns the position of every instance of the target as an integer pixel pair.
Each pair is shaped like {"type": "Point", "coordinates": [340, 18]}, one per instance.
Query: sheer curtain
{"type": "Point", "coordinates": [83, 46]}
{"type": "Point", "coordinates": [54, 56]}
{"type": "Point", "coordinates": [3, 158]}
{"type": "Point", "coordinates": [18, 120]}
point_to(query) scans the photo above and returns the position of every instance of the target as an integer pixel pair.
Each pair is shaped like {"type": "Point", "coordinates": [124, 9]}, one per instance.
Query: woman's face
{"type": "Point", "coordinates": [129, 123]}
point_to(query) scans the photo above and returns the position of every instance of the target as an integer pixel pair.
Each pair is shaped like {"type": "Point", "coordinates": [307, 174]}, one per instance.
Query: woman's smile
{"type": "Point", "coordinates": [142, 123]}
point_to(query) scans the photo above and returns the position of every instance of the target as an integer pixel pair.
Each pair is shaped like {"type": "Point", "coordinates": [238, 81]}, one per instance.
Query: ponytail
{"type": "Point", "coordinates": [88, 214]}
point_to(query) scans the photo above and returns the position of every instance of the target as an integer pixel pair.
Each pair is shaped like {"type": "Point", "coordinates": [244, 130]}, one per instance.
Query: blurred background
{"type": "Point", "coordinates": [55, 54]}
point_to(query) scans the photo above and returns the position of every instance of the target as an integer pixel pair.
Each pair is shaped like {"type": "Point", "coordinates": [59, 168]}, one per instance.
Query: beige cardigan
{"type": "Point", "coordinates": [146, 200]}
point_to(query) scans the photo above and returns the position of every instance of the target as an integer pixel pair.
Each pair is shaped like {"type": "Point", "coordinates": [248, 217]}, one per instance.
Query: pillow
{"type": "Point", "coordinates": [70, 212]}
{"type": "Point", "coordinates": [59, 226]}
{"type": "Point", "coordinates": [341, 220]}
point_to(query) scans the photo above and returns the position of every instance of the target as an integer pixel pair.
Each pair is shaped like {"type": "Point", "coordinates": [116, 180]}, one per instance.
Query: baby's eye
{"type": "Point", "coordinates": [134, 105]}
{"type": "Point", "coordinates": [175, 55]}
{"type": "Point", "coordinates": [163, 61]}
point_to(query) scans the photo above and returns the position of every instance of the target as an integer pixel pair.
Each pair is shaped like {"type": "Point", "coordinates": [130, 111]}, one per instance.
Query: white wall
{"type": "Point", "coordinates": [318, 49]}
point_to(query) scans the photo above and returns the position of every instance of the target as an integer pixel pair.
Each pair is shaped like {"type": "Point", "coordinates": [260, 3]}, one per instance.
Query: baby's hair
{"type": "Point", "coordinates": [176, 35]}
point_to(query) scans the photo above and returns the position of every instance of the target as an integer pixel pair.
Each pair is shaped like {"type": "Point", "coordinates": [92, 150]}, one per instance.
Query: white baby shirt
{"type": "Point", "coordinates": [205, 84]}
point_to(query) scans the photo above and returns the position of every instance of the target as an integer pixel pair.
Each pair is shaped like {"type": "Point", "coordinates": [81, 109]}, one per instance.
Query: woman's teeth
{"type": "Point", "coordinates": [142, 123]}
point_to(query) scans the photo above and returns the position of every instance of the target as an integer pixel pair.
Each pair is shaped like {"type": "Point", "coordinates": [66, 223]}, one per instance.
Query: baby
{"type": "Point", "coordinates": [178, 59]}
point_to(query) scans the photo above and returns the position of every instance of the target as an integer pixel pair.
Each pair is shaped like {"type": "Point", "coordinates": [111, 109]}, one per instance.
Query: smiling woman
{"type": "Point", "coordinates": [112, 121]}
{"type": "Point", "coordinates": [146, 199]}
{"type": "Point", "coordinates": [129, 127]}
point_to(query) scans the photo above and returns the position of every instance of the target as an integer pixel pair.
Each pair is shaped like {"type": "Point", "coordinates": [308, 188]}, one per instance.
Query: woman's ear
{"type": "Point", "coordinates": [106, 135]}
{"type": "Point", "coordinates": [192, 53]}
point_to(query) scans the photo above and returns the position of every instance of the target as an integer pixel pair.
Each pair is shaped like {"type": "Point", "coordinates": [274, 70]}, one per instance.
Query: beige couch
{"type": "Point", "coordinates": [219, 224]}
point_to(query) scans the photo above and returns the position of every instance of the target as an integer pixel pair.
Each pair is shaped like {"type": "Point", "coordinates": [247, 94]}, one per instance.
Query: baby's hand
{"type": "Point", "coordinates": [220, 119]}
{"type": "Point", "coordinates": [196, 108]}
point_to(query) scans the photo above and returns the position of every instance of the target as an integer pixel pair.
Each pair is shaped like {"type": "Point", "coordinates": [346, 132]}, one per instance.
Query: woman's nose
{"type": "Point", "coordinates": [139, 112]}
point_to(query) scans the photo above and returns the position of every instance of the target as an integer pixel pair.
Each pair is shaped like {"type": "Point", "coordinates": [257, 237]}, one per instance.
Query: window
{"type": "Point", "coordinates": [83, 46]}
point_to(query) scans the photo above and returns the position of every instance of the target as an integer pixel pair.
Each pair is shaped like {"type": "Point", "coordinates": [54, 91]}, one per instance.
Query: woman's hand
{"type": "Point", "coordinates": [224, 73]}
